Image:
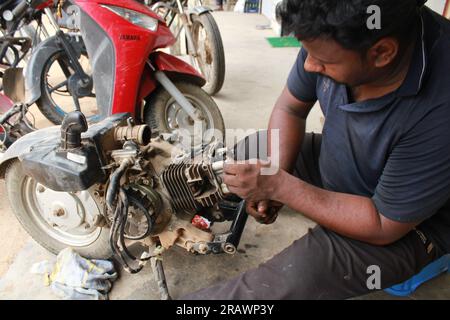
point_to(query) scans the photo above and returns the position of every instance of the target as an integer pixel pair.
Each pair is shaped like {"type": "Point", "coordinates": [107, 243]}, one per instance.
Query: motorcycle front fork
{"type": "Point", "coordinates": [79, 84]}
{"type": "Point", "coordinates": [184, 103]}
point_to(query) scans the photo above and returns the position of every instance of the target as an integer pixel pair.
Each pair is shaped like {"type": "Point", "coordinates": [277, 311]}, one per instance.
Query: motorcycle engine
{"type": "Point", "coordinates": [148, 189]}
{"type": "Point", "coordinates": [167, 188]}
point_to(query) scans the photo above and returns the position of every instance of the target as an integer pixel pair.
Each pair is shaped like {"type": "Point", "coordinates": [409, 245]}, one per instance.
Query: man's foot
{"type": "Point", "coordinates": [219, 8]}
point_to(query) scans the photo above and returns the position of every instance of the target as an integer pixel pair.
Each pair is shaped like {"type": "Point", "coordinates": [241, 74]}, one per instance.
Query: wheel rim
{"type": "Point", "coordinates": [176, 118]}
{"type": "Point", "coordinates": [204, 61]}
{"type": "Point", "coordinates": [66, 217]}
{"type": "Point", "coordinates": [57, 91]}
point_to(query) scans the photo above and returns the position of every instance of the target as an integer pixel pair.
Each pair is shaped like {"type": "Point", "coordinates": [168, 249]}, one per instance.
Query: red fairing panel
{"type": "Point", "coordinates": [133, 5]}
{"type": "Point", "coordinates": [44, 5]}
{"type": "Point", "coordinates": [167, 63]}
{"type": "Point", "coordinates": [5, 103]}
{"type": "Point", "coordinates": [132, 44]}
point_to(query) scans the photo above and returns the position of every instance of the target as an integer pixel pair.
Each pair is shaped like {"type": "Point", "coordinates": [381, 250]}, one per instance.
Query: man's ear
{"type": "Point", "coordinates": [383, 52]}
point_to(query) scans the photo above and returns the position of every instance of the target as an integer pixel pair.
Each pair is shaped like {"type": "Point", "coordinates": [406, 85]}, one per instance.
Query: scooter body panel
{"type": "Point", "coordinates": [25, 144]}
{"type": "Point", "coordinates": [45, 4]}
{"type": "Point", "coordinates": [5, 103]}
{"type": "Point", "coordinates": [168, 63]}
{"type": "Point", "coordinates": [132, 44]}
{"type": "Point", "coordinates": [175, 69]}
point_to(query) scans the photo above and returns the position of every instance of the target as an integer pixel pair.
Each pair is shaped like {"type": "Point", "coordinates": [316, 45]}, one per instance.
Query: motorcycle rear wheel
{"type": "Point", "coordinates": [23, 194]}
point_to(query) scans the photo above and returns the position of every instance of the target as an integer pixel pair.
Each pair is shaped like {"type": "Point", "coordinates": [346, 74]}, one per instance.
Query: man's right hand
{"type": "Point", "coordinates": [265, 212]}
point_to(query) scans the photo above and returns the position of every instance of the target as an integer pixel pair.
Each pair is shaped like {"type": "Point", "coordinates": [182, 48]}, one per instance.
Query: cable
{"type": "Point", "coordinates": [118, 203]}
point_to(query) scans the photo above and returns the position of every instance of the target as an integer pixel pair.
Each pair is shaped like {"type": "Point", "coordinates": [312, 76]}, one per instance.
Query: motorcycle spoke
{"type": "Point", "coordinates": [58, 86]}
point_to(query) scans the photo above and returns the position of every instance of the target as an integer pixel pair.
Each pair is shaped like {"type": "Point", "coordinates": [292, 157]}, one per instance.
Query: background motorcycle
{"type": "Point", "coordinates": [23, 29]}
{"type": "Point", "coordinates": [18, 34]}
{"type": "Point", "coordinates": [196, 31]}
{"type": "Point", "coordinates": [14, 31]}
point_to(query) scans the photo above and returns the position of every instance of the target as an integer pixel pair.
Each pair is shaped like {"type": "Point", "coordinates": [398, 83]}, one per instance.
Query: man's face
{"type": "Point", "coordinates": [330, 59]}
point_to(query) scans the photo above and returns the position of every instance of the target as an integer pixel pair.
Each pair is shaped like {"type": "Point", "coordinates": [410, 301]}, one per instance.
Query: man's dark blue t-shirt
{"type": "Point", "coordinates": [394, 149]}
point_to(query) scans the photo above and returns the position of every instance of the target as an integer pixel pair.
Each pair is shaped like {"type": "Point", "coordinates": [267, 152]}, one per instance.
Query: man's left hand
{"type": "Point", "coordinates": [246, 181]}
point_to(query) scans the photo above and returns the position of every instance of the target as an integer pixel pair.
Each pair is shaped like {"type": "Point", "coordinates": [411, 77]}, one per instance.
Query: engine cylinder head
{"type": "Point", "coordinates": [192, 186]}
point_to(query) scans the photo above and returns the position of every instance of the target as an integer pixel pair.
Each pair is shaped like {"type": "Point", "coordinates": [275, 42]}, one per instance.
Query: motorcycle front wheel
{"type": "Point", "coordinates": [56, 101]}
{"type": "Point", "coordinates": [164, 115]}
{"type": "Point", "coordinates": [56, 220]}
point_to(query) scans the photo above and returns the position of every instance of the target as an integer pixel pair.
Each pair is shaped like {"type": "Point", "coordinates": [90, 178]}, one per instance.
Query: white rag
{"type": "Point", "coordinates": [77, 278]}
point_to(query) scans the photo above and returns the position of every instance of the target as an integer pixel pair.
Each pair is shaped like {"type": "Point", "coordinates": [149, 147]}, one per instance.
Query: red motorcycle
{"type": "Point", "coordinates": [128, 71]}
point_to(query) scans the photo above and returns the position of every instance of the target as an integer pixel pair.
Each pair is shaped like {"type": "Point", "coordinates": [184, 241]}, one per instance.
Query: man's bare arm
{"type": "Point", "coordinates": [350, 215]}
{"type": "Point", "coordinates": [289, 116]}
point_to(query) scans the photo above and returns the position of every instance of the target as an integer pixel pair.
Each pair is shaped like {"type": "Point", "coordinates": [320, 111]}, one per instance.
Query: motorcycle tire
{"type": "Point", "coordinates": [211, 53]}
{"type": "Point", "coordinates": [46, 103]}
{"type": "Point", "coordinates": [159, 109]}
{"type": "Point", "coordinates": [22, 205]}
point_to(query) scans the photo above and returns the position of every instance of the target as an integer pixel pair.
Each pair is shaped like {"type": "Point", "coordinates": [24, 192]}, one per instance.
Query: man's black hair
{"type": "Point", "coordinates": [345, 21]}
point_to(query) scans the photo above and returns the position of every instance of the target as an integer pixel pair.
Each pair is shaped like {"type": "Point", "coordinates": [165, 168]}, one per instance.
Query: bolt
{"type": "Point", "coordinates": [229, 248]}
{"type": "Point", "coordinates": [202, 248]}
{"type": "Point", "coordinates": [41, 189]}
{"type": "Point", "coordinates": [59, 212]}
{"type": "Point", "coordinates": [98, 193]}
{"type": "Point", "coordinates": [87, 226]}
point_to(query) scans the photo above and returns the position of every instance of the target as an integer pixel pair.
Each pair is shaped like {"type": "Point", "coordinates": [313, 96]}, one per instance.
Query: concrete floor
{"type": "Point", "coordinates": [256, 73]}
